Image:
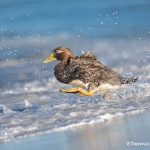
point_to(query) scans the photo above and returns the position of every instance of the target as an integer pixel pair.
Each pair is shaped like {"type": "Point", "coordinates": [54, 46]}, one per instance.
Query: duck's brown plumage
{"type": "Point", "coordinates": [85, 68]}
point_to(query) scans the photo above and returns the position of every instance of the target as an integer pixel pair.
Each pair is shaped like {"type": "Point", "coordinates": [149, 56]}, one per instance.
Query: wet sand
{"type": "Point", "coordinates": [119, 133]}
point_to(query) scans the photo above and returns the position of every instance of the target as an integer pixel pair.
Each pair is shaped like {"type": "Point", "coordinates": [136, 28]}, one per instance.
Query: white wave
{"type": "Point", "coordinates": [6, 110]}
{"type": "Point", "coordinates": [58, 111]}
{"type": "Point", "coordinates": [103, 118]}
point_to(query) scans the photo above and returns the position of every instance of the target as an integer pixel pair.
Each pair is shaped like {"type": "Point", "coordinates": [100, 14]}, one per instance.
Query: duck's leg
{"type": "Point", "coordinates": [78, 90]}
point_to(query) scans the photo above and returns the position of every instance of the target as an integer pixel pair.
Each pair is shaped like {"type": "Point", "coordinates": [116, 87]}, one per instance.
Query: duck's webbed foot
{"type": "Point", "coordinates": [81, 91]}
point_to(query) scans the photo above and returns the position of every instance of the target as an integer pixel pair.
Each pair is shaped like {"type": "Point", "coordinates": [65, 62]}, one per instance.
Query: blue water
{"type": "Point", "coordinates": [23, 21]}
{"type": "Point", "coordinates": [90, 18]}
{"type": "Point", "coordinates": [117, 32]}
{"type": "Point", "coordinates": [29, 27]}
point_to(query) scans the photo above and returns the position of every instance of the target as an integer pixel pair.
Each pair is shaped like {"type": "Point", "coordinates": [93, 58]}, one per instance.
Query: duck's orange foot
{"type": "Point", "coordinates": [81, 91]}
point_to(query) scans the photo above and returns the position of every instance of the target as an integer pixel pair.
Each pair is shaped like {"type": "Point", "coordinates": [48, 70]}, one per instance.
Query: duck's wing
{"type": "Point", "coordinates": [87, 69]}
{"type": "Point", "coordinates": [87, 60]}
{"type": "Point", "coordinates": [86, 55]}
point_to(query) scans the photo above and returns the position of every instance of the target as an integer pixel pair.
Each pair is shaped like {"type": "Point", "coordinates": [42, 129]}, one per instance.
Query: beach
{"type": "Point", "coordinates": [118, 133]}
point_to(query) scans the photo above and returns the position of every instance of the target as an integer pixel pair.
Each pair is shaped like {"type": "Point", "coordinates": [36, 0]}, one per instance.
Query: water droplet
{"type": "Point", "coordinates": [11, 18]}
{"type": "Point", "coordinates": [80, 30]}
{"type": "Point", "coordinates": [6, 133]}
{"type": "Point", "coordinates": [89, 28]}
{"type": "Point", "coordinates": [27, 103]}
{"type": "Point", "coordinates": [101, 22]}
{"type": "Point", "coordinates": [82, 51]}
{"type": "Point", "coordinates": [28, 15]}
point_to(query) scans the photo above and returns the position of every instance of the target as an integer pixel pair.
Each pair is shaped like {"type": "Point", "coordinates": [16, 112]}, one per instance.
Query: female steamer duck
{"type": "Point", "coordinates": [83, 70]}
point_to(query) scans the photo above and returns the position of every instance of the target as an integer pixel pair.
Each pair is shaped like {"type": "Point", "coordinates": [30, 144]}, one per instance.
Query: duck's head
{"type": "Point", "coordinates": [60, 53]}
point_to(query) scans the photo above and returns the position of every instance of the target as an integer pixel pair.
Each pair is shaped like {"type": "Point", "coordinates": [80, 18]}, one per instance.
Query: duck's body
{"type": "Point", "coordinates": [85, 69]}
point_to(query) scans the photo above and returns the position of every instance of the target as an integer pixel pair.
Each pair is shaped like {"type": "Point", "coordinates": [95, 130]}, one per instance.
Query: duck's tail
{"type": "Point", "coordinates": [128, 80]}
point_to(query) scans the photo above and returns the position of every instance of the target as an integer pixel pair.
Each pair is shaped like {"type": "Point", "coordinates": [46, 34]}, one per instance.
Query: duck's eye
{"type": "Point", "coordinates": [57, 51]}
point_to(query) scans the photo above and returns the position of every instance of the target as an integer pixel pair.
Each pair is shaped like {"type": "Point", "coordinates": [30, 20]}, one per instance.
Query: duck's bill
{"type": "Point", "coordinates": [50, 58]}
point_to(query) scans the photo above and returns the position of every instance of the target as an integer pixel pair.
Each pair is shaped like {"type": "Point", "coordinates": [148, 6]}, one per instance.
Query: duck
{"type": "Point", "coordinates": [85, 72]}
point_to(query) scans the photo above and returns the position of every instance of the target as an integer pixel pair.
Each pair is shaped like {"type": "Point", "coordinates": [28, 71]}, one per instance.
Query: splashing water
{"type": "Point", "coordinates": [30, 103]}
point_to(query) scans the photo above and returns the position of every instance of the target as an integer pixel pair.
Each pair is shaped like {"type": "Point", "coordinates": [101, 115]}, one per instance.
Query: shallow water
{"type": "Point", "coordinates": [31, 103]}
{"type": "Point", "coordinates": [123, 132]}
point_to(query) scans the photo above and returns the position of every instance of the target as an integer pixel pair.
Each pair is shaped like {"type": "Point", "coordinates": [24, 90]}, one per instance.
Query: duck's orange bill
{"type": "Point", "coordinates": [49, 59]}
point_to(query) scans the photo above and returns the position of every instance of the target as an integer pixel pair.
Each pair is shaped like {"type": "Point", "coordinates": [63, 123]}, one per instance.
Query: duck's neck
{"type": "Point", "coordinates": [59, 71]}
{"type": "Point", "coordinates": [66, 60]}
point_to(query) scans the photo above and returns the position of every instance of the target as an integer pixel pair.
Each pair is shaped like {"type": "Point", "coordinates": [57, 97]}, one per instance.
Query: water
{"type": "Point", "coordinates": [85, 18]}
{"type": "Point", "coordinates": [115, 134]}
{"type": "Point", "coordinates": [116, 32]}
